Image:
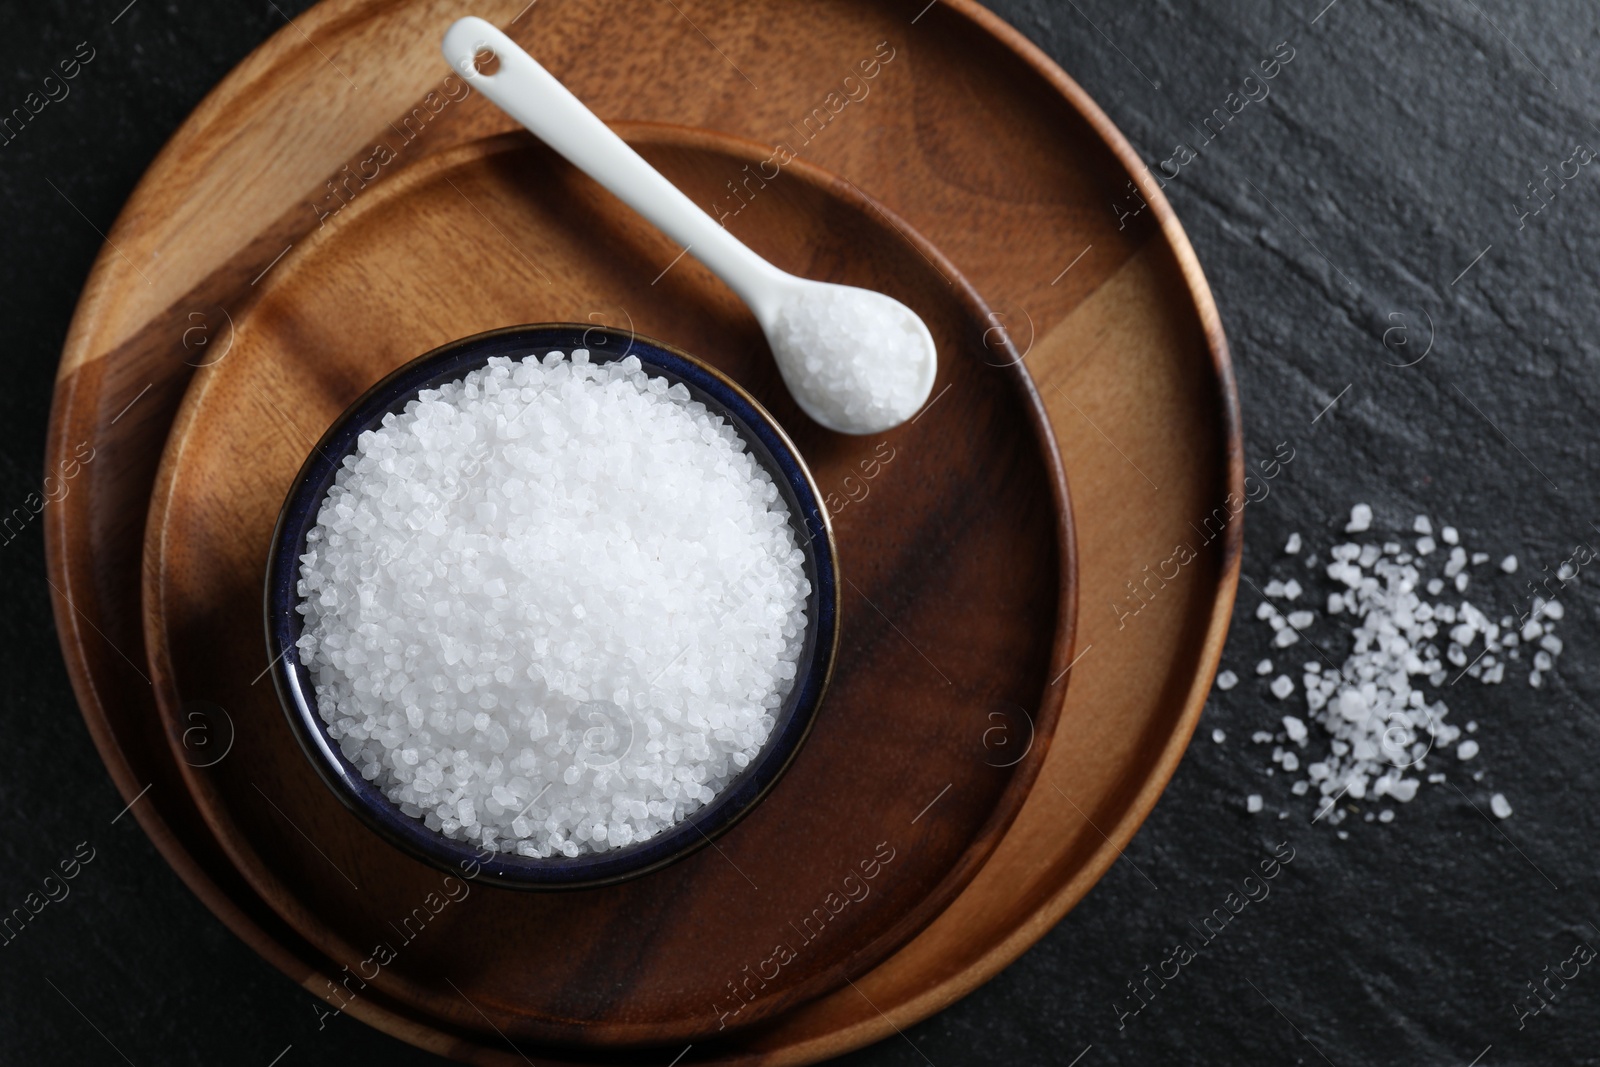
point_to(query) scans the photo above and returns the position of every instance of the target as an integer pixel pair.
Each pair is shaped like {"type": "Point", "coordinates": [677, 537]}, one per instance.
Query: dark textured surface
{"type": "Point", "coordinates": [1394, 147]}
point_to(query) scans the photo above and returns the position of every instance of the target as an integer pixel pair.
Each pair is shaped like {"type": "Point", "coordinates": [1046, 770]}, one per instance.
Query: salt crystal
{"type": "Point", "coordinates": [1282, 686]}
{"type": "Point", "coordinates": [1467, 749]}
{"type": "Point", "coordinates": [1449, 536]}
{"type": "Point", "coordinates": [1360, 519]}
{"type": "Point", "coordinates": [1425, 545]}
{"type": "Point", "coordinates": [552, 607]}
{"type": "Point", "coordinates": [1264, 667]}
{"type": "Point", "coordinates": [1227, 680]}
{"type": "Point", "coordinates": [1500, 806]}
{"type": "Point", "coordinates": [1218, 736]}
{"type": "Point", "coordinates": [1293, 544]}
{"type": "Point", "coordinates": [1252, 803]}
{"type": "Point", "coordinates": [853, 356]}
{"type": "Point", "coordinates": [1291, 589]}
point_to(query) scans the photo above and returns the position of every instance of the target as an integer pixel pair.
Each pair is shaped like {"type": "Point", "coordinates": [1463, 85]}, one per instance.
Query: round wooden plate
{"type": "Point", "coordinates": [955, 562]}
{"type": "Point", "coordinates": [969, 133]}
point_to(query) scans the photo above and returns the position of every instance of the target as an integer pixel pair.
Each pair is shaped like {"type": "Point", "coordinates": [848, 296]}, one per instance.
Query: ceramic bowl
{"type": "Point", "coordinates": [772, 449]}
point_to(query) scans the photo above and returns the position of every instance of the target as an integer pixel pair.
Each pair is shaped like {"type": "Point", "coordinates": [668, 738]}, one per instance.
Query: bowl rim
{"type": "Point", "coordinates": [451, 361]}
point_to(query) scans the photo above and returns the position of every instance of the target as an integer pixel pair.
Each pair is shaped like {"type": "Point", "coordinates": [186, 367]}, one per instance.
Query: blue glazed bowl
{"type": "Point", "coordinates": [769, 445]}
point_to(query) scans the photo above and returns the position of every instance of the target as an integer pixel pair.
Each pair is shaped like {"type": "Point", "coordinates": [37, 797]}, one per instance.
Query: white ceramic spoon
{"type": "Point", "coordinates": [856, 361]}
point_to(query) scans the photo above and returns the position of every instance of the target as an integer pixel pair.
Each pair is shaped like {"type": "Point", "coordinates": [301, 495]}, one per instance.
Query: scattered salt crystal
{"type": "Point", "coordinates": [1291, 589]}
{"type": "Point", "coordinates": [1252, 803]}
{"type": "Point", "coordinates": [1293, 544]}
{"type": "Point", "coordinates": [1500, 806]}
{"type": "Point", "coordinates": [1218, 736]}
{"type": "Point", "coordinates": [1386, 815]}
{"type": "Point", "coordinates": [1381, 722]}
{"type": "Point", "coordinates": [1554, 610]}
{"type": "Point", "coordinates": [1227, 680]}
{"type": "Point", "coordinates": [1509, 564]}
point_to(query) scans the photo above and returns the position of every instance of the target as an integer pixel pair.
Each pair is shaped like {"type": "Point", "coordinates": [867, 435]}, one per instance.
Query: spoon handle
{"type": "Point", "coordinates": [532, 95]}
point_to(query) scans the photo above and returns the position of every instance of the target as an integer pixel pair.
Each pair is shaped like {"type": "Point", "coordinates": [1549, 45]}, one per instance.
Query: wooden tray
{"type": "Point", "coordinates": [955, 566]}
{"type": "Point", "coordinates": [971, 135]}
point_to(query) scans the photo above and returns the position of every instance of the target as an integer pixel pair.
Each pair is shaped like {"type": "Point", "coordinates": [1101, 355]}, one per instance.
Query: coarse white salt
{"type": "Point", "coordinates": [553, 607]}
{"type": "Point", "coordinates": [1227, 680]}
{"type": "Point", "coordinates": [1252, 803]}
{"type": "Point", "coordinates": [1380, 721]}
{"type": "Point", "coordinates": [1500, 806]}
{"type": "Point", "coordinates": [852, 355]}
{"type": "Point", "coordinates": [1509, 564]}
{"type": "Point", "coordinates": [1292, 546]}
{"type": "Point", "coordinates": [1217, 737]}
{"type": "Point", "coordinates": [1360, 519]}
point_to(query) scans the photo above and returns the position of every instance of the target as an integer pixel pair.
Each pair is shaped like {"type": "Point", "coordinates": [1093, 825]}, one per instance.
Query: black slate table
{"type": "Point", "coordinates": [1371, 203]}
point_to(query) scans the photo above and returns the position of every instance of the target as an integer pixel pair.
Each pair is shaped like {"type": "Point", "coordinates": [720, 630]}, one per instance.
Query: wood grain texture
{"type": "Point", "coordinates": [956, 599]}
{"type": "Point", "coordinates": [971, 135]}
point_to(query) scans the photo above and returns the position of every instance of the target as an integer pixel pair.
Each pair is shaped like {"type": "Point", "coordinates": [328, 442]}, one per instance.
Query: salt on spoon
{"type": "Point", "coordinates": [856, 361]}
